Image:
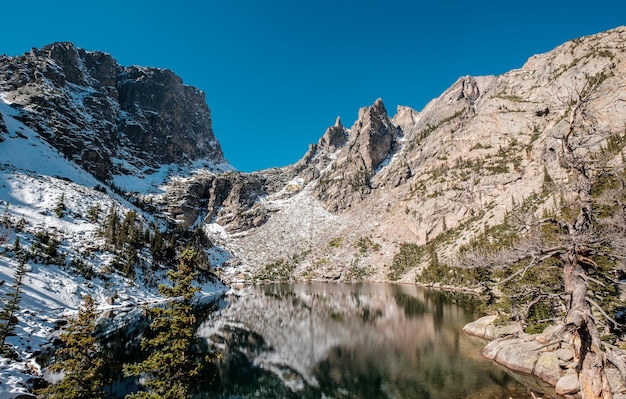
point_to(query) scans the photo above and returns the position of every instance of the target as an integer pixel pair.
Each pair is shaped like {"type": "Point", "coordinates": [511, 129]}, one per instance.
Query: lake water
{"type": "Point", "coordinates": [349, 341]}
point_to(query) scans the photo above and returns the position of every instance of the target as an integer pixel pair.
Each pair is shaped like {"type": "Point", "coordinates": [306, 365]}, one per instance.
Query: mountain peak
{"type": "Point", "coordinates": [112, 120]}
{"type": "Point", "coordinates": [335, 137]}
{"type": "Point", "coordinates": [379, 106]}
{"type": "Point", "coordinates": [377, 110]}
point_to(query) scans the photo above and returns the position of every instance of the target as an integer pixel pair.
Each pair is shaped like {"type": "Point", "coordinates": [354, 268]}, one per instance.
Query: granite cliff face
{"type": "Point", "coordinates": [482, 148]}
{"type": "Point", "coordinates": [110, 119]}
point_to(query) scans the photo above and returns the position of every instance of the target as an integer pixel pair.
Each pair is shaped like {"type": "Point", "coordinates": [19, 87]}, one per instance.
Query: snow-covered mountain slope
{"type": "Point", "coordinates": [35, 179]}
{"type": "Point", "coordinates": [118, 123]}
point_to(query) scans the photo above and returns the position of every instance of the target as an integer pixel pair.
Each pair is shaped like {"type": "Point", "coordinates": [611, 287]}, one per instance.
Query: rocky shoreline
{"type": "Point", "coordinates": [544, 356]}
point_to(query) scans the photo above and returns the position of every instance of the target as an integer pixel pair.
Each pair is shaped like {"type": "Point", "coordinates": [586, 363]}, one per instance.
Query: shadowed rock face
{"type": "Point", "coordinates": [3, 127]}
{"type": "Point", "coordinates": [373, 136]}
{"type": "Point", "coordinates": [95, 110]}
{"type": "Point", "coordinates": [164, 117]}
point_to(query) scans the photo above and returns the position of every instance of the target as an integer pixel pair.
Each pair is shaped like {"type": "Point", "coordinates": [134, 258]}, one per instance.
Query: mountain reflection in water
{"type": "Point", "coordinates": [349, 341]}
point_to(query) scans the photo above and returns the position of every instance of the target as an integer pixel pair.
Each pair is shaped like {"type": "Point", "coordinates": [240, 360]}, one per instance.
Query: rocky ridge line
{"type": "Point", "coordinates": [462, 163]}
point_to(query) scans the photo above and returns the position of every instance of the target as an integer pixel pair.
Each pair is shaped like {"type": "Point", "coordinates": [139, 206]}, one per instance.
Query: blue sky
{"type": "Point", "coordinates": [277, 73]}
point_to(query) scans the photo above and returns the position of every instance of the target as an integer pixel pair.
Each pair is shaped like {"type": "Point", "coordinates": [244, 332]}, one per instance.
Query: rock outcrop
{"type": "Point", "coordinates": [3, 127]}
{"type": "Point", "coordinates": [358, 153]}
{"type": "Point", "coordinates": [232, 198]}
{"type": "Point", "coordinates": [322, 154]}
{"type": "Point", "coordinates": [540, 355]}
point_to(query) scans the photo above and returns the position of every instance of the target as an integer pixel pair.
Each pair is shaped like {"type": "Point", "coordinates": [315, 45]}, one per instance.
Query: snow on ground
{"type": "Point", "coordinates": [51, 292]}
{"type": "Point", "coordinates": [34, 179]}
{"type": "Point", "coordinates": [152, 181]}
{"type": "Point", "coordinates": [23, 149]}
{"type": "Point", "coordinates": [298, 222]}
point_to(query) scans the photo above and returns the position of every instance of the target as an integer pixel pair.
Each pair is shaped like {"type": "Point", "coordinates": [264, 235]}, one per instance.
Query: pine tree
{"type": "Point", "coordinates": [17, 247]}
{"type": "Point", "coordinates": [60, 207]}
{"type": "Point", "coordinates": [157, 246]}
{"type": "Point", "coordinates": [93, 214]}
{"type": "Point", "coordinates": [80, 359]}
{"type": "Point", "coordinates": [172, 365]}
{"type": "Point", "coordinates": [110, 226]}
{"type": "Point", "coordinates": [10, 306]}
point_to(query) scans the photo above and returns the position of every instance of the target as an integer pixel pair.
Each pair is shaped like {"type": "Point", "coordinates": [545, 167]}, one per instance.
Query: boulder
{"type": "Point", "coordinates": [616, 380]}
{"type": "Point", "coordinates": [482, 327]}
{"type": "Point", "coordinates": [568, 384]}
{"type": "Point", "coordinates": [485, 328]}
{"type": "Point", "coordinates": [491, 350]}
{"type": "Point", "coordinates": [565, 354]}
{"type": "Point", "coordinates": [519, 355]}
{"type": "Point", "coordinates": [529, 357]}
{"type": "Point", "coordinates": [548, 368]}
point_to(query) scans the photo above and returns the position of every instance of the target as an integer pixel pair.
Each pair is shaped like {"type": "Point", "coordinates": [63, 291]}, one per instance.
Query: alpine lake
{"type": "Point", "coordinates": [332, 340]}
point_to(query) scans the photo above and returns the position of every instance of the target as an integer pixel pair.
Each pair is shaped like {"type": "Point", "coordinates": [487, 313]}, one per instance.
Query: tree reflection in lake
{"type": "Point", "coordinates": [350, 341]}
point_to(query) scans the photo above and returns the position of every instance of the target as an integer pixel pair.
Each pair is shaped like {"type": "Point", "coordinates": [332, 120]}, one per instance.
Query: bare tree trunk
{"type": "Point", "coordinates": [585, 336]}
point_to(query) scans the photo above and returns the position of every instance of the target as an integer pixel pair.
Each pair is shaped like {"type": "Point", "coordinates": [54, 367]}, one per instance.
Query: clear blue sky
{"type": "Point", "coordinates": [277, 73]}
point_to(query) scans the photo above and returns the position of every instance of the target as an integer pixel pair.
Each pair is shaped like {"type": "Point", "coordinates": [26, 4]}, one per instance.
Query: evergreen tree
{"type": "Point", "coordinates": [157, 246]}
{"type": "Point", "coordinates": [10, 306]}
{"type": "Point", "coordinates": [110, 226]}
{"type": "Point", "coordinates": [17, 247]}
{"type": "Point", "coordinates": [6, 227]}
{"type": "Point", "coordinates": [80, 359]}
{"type": "Point", "coordinates": [93, 214]}
{"type": "Point", "coordinates": [173, 364]}
{"type": "Point", "coordinates": [60, 207]}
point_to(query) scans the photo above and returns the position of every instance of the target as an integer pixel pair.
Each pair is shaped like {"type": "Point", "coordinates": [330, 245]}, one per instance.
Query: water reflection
{"type": "Point", "coordinates": [349, 341]}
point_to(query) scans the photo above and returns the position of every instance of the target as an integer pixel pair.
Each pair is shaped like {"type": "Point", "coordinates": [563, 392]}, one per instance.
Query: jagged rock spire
{"type": "Point", "coordinates": [373, 135]}
{"type": "Point", "coordinates": [335, 137]}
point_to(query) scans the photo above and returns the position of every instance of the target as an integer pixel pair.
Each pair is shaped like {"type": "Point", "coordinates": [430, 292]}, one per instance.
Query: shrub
{"type": "Point", "coordinates": [409, 256]}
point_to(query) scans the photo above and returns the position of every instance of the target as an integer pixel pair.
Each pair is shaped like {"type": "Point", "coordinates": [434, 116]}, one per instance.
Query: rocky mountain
{"type": "Point", "coordinates": [87, 143]}
{"type": "Point", "coordinates": [77, 130]}
{"type": "Point", "coordinates": [460, 165]}
{"type": "Point", "coordinates": [111, 120]}
{"type": "Point", "coordinates": [481, 149]}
